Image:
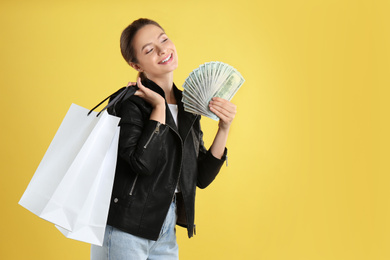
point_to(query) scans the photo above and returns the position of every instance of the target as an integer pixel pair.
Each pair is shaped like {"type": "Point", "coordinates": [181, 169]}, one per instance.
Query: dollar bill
{"type": "Point", "coordinates": [212, 79]}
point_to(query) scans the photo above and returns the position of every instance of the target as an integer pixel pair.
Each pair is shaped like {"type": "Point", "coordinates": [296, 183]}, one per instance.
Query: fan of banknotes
{"type": "Point", "coordinates": [212, 79]}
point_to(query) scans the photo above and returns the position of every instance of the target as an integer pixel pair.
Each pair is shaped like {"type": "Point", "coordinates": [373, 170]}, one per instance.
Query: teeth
{"type": "Point", "coordinates": [167, 59]}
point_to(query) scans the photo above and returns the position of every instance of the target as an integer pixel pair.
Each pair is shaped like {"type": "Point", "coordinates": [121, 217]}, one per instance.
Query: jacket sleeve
{"type": "Point", "coordinates": [208, 165]}
{"type": "Point", "coordinates": [140, 140]}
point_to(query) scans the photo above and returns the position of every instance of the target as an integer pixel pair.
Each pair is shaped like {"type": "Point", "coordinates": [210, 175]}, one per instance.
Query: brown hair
{"type": "Point", "coordinates": [126, 41]}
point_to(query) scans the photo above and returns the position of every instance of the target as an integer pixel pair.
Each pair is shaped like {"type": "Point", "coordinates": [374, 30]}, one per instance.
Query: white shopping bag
{"type": "Point", "coordinates": [67, 173]}
{"type": "Point", "coordinates": [91, 222]}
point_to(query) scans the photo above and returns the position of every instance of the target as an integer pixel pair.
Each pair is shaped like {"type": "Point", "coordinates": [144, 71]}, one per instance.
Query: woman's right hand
{"type": "Point", "coordinates": [153, 98]}
{"type": "Point", "coordinates": [150, 96]}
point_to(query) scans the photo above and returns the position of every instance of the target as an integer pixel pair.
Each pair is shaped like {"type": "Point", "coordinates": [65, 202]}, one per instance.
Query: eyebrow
{"type": "Point", "coordinates": [143, 47]}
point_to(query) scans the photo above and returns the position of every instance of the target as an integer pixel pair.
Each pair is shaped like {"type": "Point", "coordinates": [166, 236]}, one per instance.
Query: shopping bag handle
{"type": "Point", "coordinates": [119, 96]}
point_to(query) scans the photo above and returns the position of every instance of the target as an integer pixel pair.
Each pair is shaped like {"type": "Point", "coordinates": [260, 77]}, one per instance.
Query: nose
{"type": "Point", "coordinates": [161, 50]}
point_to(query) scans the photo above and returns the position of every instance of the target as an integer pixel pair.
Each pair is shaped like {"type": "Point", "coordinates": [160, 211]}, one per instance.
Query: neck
{"type": "Point", "coordinates": [166, 83]}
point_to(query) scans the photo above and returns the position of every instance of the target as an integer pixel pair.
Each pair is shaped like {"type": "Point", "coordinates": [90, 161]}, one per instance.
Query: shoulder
{"type": "Point", "coordinates": [133, 109]}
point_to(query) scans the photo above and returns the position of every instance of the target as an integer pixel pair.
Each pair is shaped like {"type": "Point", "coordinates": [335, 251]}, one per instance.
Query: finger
{"type": "Point", "coordinates": [219, 109]}
{"type": "Point", "coordinates": [222, 101]}
{"type": "Point", "coordinates": [131, 83]}
{"type": "Point", "coordinates": [224, 105]}
{"type": "Point", "coordinates": [224, 108]}
{"type": "Point", "coordinates": [225, 117]}
{"type": "Point", "coordinates": [222, 116]}
{"type": "Point", "coordinates": [218, 99]}
{"type": "Point", "coordinates": [141, 88]}
{"type": "Point", "coordinates": [137, 93]}
{"type": "Point", "coordinates": [139, 84]}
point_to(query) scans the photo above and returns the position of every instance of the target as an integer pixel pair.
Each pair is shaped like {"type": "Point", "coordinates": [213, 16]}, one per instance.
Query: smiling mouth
{"type": "Point", "coordinates": [167, 59]}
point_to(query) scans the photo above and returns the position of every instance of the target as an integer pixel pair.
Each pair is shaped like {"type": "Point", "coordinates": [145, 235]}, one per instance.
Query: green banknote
{"type": "Point", "coordinates": [212, 79]}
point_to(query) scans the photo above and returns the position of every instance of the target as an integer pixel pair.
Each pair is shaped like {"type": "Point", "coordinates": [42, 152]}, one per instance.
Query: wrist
{"type": "Point", "coordinates": [159, 106]}
{"type": "Point", "coordinates": [224, 128]}
{"type": "Point", "coordinates": [158, 114]}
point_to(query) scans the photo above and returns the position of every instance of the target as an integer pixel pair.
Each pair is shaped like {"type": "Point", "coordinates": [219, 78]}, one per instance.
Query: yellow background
{"type": "Point", "coordinates": [308, 175]}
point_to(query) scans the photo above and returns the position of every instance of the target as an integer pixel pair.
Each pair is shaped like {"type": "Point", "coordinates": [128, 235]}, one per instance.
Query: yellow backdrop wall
{"type": "Point", "coordinates": [308, 175]}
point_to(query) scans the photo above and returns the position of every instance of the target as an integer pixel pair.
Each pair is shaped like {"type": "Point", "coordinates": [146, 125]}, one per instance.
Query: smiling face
{"type": "Point", "coordinates": [155, 53]}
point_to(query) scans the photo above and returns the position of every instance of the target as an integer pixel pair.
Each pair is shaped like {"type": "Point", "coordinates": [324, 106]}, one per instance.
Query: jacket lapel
{"type": "Point", "coordinates": [185, 120]}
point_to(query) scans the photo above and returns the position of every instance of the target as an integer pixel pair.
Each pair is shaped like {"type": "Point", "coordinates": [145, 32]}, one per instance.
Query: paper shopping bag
{"type": "Point", "coordinates": [60, 186]}
{"type": "Point", "coordinates": [91, 222]}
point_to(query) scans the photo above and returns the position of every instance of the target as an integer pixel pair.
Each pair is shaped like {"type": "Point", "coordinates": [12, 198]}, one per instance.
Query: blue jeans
{"type": "Point", "coordinates": [119, 245]}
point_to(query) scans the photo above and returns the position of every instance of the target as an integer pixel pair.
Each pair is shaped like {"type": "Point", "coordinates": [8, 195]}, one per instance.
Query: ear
{"type": "Point", "coordinates": [136, 67]}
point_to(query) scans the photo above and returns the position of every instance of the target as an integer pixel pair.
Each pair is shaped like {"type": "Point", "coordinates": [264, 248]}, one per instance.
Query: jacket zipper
{"type": "Point", "coordinates": [156, 130]}
{"type": "Point", "coordinates": [181, 166]}
{"type": "Point", "coordinates": [181, 145]}
{"type": "Point", "coordinates": [132, 187]}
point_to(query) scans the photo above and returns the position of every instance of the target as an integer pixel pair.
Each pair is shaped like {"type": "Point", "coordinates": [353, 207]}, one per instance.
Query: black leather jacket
{"type": "Point", "coordinates": [153, 159]}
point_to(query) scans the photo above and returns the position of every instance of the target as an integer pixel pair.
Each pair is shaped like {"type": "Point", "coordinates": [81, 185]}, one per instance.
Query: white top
{"type": "Point", "coordinates": [174, 111]}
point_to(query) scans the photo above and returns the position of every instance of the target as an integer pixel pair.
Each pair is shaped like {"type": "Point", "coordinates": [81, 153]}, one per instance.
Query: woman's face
{"type": "Point", "coordinates": [155, 52]}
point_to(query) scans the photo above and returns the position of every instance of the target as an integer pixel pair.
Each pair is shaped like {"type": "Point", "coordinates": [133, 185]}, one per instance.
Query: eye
{"type": "Point", "coordinates": [164, 40]}
{"type": "Point", "coordinates": [149, 51]}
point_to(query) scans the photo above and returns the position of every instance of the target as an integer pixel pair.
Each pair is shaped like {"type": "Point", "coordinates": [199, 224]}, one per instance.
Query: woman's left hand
{"type": "Point", "coordinates": [225, 110]}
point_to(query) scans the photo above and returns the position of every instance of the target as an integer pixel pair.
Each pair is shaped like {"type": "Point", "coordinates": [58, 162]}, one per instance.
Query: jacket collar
{"type": "Point", "coordinates": [185, 119]}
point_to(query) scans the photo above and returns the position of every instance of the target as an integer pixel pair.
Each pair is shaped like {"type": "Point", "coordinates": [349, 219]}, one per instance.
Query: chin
{"type": "Point", "coordinates": [173, 66]}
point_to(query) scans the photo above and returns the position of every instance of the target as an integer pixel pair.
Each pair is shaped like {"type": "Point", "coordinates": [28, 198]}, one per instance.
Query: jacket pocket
{"type": "Point", "coordinates": [133, 185]}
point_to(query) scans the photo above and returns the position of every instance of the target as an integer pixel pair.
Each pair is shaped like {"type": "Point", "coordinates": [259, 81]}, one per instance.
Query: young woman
{"type": "Point", "coordinates": [161, 156]}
